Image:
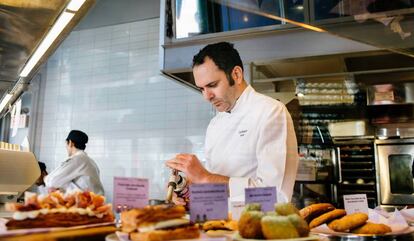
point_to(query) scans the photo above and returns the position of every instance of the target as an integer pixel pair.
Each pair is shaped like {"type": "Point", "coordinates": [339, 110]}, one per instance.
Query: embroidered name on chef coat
{"type": "Point", "coordinates": [242, 132]}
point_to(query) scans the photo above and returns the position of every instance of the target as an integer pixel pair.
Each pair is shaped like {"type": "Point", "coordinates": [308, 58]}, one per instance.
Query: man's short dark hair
{"type": "Point", "coordinates": [79, 139]}
{"type": "Point", "coordinates": [223, 54]}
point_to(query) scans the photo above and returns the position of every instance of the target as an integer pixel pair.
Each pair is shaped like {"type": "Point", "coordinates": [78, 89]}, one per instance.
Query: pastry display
{"type": "Point", "coordinates": [282, 223]}
{"type": "Point", "coordinates": [158, 223]}
{"type": "Point", "coordinates": [59, 210]}
{"type": "Point", "coordinates": [338, 221]}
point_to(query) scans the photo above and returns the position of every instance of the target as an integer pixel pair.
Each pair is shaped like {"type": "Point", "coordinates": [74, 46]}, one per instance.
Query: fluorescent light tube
{"type": "Point", "coordinates": [74, 5]}
{"type": "Point", "coordinates": [4, 101]}
{"type": "Point", "coordinates": [56, 29]}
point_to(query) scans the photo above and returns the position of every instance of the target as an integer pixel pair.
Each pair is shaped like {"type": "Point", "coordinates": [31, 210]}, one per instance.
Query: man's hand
{"type": "Point", "coordinates": [191, 166]}
{"type": "Point", "coordinates": [178, 200]}
{"type": "Point", "coordinates": [194, 171]}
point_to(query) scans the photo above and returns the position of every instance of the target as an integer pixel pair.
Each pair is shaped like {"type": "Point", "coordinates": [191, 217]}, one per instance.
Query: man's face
{"type": "Point", "coordinates": [68, 147]}
{"type": "Point", "coordinates": [215, 86]}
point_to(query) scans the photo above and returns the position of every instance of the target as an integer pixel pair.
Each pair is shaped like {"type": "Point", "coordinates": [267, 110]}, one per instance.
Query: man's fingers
{"type": "Point", "coordinates": [178, 201]}
{"type": "Point", "coordinates": [176, 165]}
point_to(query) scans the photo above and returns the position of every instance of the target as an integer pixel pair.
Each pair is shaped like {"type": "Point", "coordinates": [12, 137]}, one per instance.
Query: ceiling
{"type": "Point", "coordinates": [23, 25]}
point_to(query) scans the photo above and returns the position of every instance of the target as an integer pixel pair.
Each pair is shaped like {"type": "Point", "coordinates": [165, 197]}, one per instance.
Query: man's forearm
{"type": "Point", "coordinates": [216, 178]}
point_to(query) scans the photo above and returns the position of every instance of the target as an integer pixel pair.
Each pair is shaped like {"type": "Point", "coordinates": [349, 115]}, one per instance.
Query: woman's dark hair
{"type": "Point", "coordinates": [223, 54]}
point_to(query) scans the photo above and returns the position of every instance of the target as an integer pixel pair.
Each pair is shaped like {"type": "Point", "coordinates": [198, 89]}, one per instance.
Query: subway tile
{"type": "Point", "coordinates": [106, 81]}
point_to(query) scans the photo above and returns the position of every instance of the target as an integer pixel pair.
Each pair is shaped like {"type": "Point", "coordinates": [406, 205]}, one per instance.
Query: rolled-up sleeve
{"type": "Point", "coordinates": [64, 174]}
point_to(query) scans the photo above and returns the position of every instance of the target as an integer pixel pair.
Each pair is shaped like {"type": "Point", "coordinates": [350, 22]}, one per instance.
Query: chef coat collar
{"type": "Point", "coordinates": [241, 99]}
{"type": "Point", "coordinates": [78, 152]}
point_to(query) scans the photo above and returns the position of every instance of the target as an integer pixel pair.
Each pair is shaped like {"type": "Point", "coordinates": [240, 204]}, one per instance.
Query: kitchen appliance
{"type": "Point", "coordinates": [390, 94]}
{"type": "Point", "coordinates": [18, 171]}
{"type": "Point", "coordinates": [357, 172]}
{"type": "Point", "coordinates": [348, 128]}
{"type": "Point", "coordinates": [395, 171]}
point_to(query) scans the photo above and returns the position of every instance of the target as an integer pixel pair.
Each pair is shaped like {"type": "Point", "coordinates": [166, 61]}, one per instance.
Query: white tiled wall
{"type": "Point", "coordinates": [106, 82]}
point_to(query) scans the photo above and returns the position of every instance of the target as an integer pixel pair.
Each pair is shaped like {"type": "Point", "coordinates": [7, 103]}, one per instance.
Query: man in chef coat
{"type": "Point", "coordinates": [79, 171]}
{"type": "Point", "coordinates": [251, 141]}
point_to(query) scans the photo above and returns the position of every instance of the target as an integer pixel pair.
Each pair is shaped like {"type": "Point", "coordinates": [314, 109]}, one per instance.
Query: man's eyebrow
{"type": "Point", "coordinates": [212, 83]}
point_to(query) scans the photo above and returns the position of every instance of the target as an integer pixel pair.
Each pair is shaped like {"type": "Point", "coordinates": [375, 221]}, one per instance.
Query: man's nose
{"type": "Point", "coordinates": [208, 95]}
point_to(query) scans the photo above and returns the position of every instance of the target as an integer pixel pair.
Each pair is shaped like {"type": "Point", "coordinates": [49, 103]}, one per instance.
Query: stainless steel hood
{"type": "Point", "coordinates": [368, 68]}
{"type": "Point", "coordinates": [23, 25]}
{"type": "Point", "coordinates": [364, 39]}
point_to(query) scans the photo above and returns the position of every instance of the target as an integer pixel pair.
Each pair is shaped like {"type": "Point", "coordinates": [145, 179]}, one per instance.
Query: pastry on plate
{"type": "Point", "coordinates": [348, 222]}
{"type": "Point", "coordinates": [158, 223]}
{"type": "Point", "coordinates": [312, 211]}
{"type": "Point", "coordinates": [59, 210]}
{"type": "Point", "coordinates": [372, 228]}
{"type": "Point", "coordinates": [327, 217]}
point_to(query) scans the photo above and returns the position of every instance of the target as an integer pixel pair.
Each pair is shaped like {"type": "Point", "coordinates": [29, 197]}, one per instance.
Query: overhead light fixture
{"type": "Point", "coordinates": [4, 101]}
{"type": "Point", "coordinates": [75, 5]}
{"type": "Point", "coordinates": [56, 29]}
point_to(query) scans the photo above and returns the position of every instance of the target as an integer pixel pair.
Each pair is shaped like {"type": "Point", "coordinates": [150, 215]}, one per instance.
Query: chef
{"type": "Point", "coordinates": [79, 171]}
{"type": "Point", "coordinates": [251, 141]}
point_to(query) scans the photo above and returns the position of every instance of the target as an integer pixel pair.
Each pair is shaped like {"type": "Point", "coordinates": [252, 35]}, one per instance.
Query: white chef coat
{"type": "Point", "coordinates": [79, 171]}
{"type": "Point", "coordinates": [255, 145]}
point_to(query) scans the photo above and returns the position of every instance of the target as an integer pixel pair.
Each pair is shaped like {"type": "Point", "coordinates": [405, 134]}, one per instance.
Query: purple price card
{"type": "Point", "coordinates": [208, 202]}
{"type": "Point", "coordinates": [130, 192]}
{"type": "Point", "coordinates": [266, 196]}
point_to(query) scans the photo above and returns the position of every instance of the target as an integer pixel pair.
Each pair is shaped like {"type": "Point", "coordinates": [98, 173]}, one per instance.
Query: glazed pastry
{"type": "Point", "coordinates": [253, 207]}
{"type": "Point", "coordinates": [59, 210]}
{"type": "Point", "coordinates": [300, 224]}
{"type": "Point", "coordinates": [327, 217]}
{"type": "Point", "coordinates": [310, 212]}
{"type": "Point", "coordinates": [278, 227]}
{"type": "Point", "coordinates": [285, 209]}
{"type": "Point", "coordinates": [348, 222]}
{"type": "Point", "coordinates": [249, 224]}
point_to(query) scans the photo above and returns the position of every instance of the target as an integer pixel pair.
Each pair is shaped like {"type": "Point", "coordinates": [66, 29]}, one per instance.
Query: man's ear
{"type": "Point", "coordinates": [237, 74]}
{"type": "Point", "coordinates": [71, 144]}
